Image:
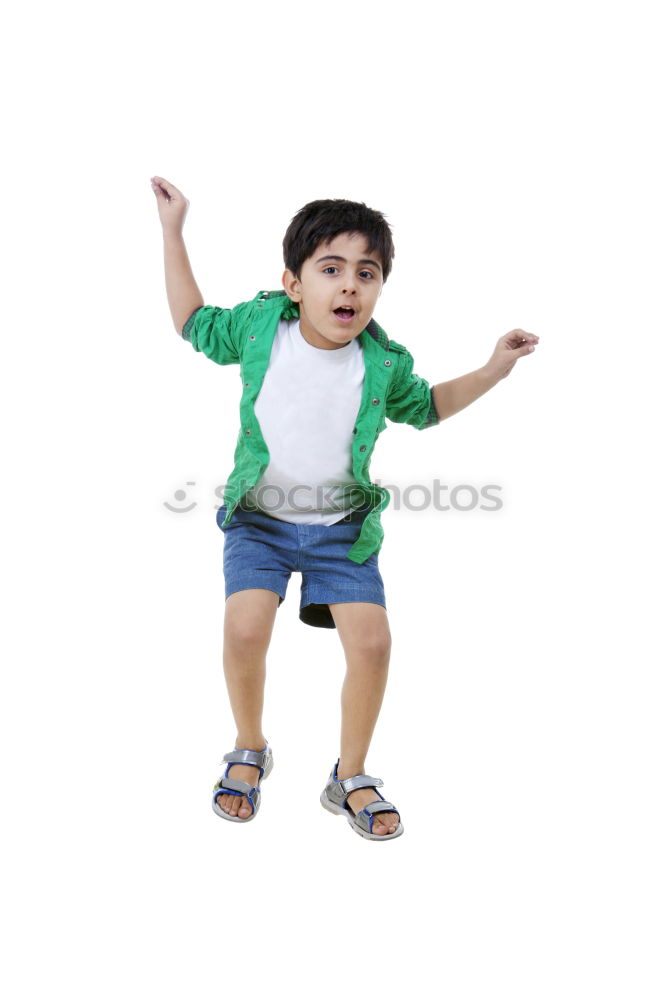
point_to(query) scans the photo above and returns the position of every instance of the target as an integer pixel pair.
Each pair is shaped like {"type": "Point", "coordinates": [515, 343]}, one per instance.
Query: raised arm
{"type": "Point", "coordinates": [450, 397]}
{"type": "Point", "coordinates": [182, 291]}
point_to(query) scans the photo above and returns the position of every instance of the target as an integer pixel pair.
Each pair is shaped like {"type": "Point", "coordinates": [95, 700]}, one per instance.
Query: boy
{"type": "Point", "coordinates": [319, 375]}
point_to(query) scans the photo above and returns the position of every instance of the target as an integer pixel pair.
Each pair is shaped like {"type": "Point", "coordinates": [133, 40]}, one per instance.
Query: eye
{"type": "Point", "coordinates": [332, 267]}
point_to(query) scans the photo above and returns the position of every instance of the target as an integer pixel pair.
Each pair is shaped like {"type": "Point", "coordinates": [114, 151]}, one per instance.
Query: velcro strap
{"type": "Point", "coordinates": [381, 807]}
{"type": "Point", "coordinates": [234, 785]}
{"type": "Point", "coordinates": [349, 785]}
{"type": "Point", "coordinates": [255, 757]}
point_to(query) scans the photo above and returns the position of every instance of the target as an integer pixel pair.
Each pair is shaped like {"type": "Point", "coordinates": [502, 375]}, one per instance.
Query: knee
{"type": "Point", "coordinates": [245, 637]}
{"type": "Point", "coordinates": [248, 622]}
{"type": "Point", "coordinates": [374, 648]}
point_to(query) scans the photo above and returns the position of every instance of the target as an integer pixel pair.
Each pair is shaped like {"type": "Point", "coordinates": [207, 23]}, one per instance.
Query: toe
{"type": "Point", "coordinates": [385, 823]}
{"type": "Point", "coordinates": [234, 805]}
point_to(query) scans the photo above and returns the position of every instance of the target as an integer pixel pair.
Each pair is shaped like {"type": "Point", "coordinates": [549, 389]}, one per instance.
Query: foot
{"type": "Point", "coordinates": [237, 805]}
{"type": "Point", "coordinates": [383, 822]}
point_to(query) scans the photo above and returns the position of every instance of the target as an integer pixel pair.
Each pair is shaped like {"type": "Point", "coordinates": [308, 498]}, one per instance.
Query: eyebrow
{"type": "Point", "coordinates": [344, 261]}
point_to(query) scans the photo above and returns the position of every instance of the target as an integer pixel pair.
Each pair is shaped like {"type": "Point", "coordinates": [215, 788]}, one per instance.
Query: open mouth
{"type": "Point", "coordinates": [345, 313]}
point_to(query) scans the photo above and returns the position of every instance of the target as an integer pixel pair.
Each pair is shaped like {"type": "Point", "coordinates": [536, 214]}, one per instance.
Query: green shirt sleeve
{"type": "Point", "coordinates": [214, 332]}
{"type": "Point", "coordinates": [410, 399]}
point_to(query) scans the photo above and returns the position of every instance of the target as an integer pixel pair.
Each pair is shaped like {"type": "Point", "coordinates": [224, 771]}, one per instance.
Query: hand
{"type": "Point", "coordinates": [172, 205]}
{"type": "Point", "coordinates": [509, 348]}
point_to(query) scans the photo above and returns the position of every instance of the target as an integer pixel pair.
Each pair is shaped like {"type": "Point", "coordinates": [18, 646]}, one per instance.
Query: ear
{"type": "Point", "coordinates": [291, 285]}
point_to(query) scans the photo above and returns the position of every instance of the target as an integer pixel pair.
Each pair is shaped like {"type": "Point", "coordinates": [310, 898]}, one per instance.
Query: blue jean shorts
{"type": "Point", "coordinates": [263, 551]}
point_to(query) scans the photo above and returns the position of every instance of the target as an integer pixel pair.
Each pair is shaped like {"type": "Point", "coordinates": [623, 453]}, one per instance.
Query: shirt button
{"type": "Point", "coordinates": [387, 363]}
{"type": "Point", "coordinates": [374, 402]}
{"type": "Point", "coordinates": [248, 432]}
{"type": "Point", "coordinates": [246, 384]}
{"type": "Point", "coordinates": [363, 447]}
{"type": "Point", "coordinates": [252, 338]}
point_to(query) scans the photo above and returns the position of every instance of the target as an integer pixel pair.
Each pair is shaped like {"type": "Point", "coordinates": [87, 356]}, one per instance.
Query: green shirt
{"type": "Point", "coordinates": [244, 335]}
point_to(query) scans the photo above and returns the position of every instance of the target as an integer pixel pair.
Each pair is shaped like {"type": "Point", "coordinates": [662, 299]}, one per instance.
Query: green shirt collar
{"type": "Point", "coordinates": [290, 310]}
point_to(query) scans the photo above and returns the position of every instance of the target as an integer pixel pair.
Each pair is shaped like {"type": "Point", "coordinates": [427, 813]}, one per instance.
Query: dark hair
{"type": "Point", "coordinates": [323, 220]}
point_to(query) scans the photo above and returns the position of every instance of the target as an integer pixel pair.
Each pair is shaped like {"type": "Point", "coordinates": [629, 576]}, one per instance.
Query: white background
{"type": "Point", "coordinates": [517, 152]}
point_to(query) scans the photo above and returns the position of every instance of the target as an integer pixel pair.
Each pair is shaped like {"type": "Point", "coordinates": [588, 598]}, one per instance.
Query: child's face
{"type": "Point", "coordinates": [353, 279]}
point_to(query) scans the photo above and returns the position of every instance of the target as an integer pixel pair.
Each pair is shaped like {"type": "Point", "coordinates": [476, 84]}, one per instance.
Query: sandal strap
{"type": "Point", "coordinates": [349, 785]}
{"type": "Point", "coordinates": [381, 807]}
{"type": "Point", "coordinates": [257, 758]}
{"type": "Point", "coordinates": [235, 785]}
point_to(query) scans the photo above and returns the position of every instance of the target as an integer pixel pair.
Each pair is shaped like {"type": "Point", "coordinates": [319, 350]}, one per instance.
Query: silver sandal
{"type": "Point", "coordinates": [335, 795]}
{"type": "Point", "coordinates": [263, 759]}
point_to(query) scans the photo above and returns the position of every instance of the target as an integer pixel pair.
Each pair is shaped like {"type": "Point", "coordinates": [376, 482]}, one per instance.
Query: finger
{"type": "Point", "coordinates": [170, 189]}
{"type": "Point", "coordinates": [522, 335]}
{"type": "Point", "coordinates": [511, 343]}
{"type": "Point", "coordinates": [519, 338]}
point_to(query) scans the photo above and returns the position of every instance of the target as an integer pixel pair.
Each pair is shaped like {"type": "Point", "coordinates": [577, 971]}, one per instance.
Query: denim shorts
{"type": "Point", "coordinates": [263, 551]}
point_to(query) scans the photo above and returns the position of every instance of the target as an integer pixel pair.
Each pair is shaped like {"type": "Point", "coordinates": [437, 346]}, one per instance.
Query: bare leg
{"type": "Point", "coordinates": [366, 638]}
{"type": "Point", "coordinates": [249, 617]}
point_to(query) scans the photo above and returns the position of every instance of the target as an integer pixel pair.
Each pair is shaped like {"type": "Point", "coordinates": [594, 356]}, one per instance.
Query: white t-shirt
{"type": "Point", "coordinates": [306, 408]}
